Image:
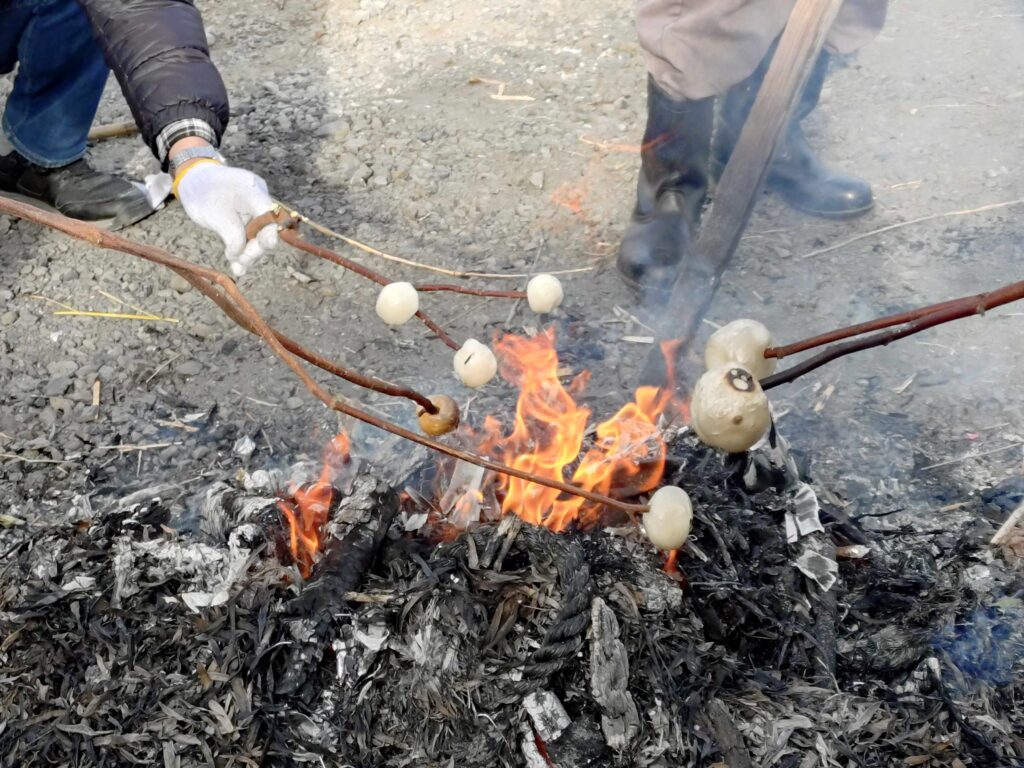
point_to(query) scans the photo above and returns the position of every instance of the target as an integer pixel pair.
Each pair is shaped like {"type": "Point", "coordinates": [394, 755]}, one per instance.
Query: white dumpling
{"type": "Point", "coordinates": [475, 364]}
{"type": "Point", "coordinates": [669, 518]}
{"type": "Point", "coordinates": [544, 293]}
{"type": "Point", "coordinates": [729, 410]}
{"type": "Point", "coordinates": [397, 303]}
{"type": "Point", "coordinates": [742, 342]}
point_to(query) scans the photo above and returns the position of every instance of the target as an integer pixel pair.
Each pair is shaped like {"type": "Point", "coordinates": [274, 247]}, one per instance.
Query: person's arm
{"type": "Point", "coordinates": [158, 52]}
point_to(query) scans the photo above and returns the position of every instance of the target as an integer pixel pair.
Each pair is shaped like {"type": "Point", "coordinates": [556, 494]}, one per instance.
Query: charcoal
{"type": "Point", "coordinates": [1006, 496]}
{"type": "Point", "coordinates": [579, 746]}
{"type": "Point", "coordinates": [125, 639]}
{"type": "Point", "coordinates": [365, 514]}
{"type": "Point", "coordinates": [728, 737]}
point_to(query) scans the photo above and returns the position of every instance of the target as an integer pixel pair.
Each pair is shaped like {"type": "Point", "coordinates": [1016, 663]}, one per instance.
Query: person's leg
{"type": "Point", "coordinates": [61, 76]}
{"type": "Point", "coordinates": [858, 23]}
{"type": "Point", "coordinates": [671, 189]}
{"type": "Point", "coordinates": [60, 79]}
{"type": "Point", "coordinates": [795, 174]}
{"type": "Point", "coordinates": [694, 51]}
{"type": "Point", "coordinates": [801, 179]}
{"type": "Point", "coordinates": [698, 49]}
{"type": "Point", "coordinates": [13, 19]}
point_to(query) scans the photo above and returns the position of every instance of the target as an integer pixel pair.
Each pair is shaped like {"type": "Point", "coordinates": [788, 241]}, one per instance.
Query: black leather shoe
{"type": "Point", "coordinates": [671, 190]}
{"type": "Point", "coordinates": [803, 181]}
{"type": "Point", "coordinates": [77, 191]}
{"type": "Point", "coordinates": [796, 174]}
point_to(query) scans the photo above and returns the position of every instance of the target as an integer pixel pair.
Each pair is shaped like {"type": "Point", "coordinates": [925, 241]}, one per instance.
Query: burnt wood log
{"type": "Point", "coordinates": [363, 516]}
{"type": "Point", "coordinates": [609, 678]}
{"type": "Point", "coordinates": [825, 612]}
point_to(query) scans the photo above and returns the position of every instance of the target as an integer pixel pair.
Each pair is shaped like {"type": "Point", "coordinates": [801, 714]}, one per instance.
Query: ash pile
{"type": "Point", "coordinates": [128, 636]}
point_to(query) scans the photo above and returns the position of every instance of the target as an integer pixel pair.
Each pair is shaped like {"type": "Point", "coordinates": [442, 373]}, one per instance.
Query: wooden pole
{"type": "Point", "coordinates": [742, 180]}
{"type": "Point", "coordinates": [112, 131]}
{"type": "Point", "coordinates": [1014, 520]}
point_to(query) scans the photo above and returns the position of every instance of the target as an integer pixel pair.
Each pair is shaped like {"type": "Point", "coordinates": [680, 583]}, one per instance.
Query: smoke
{"type": "Point", "coordinates": [988, 646]}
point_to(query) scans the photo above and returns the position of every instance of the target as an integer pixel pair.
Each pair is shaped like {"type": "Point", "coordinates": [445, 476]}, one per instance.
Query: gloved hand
{"type": "Point", "coordinates": [224, 200]}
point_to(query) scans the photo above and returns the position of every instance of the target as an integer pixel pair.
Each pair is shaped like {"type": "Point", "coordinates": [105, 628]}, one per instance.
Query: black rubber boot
{"type": "Point", "coordinates": [77, 191]}
{"type": "Point", "coordinates": [673, 185]}
{"type": "Point", "coordinates": [796, 174]}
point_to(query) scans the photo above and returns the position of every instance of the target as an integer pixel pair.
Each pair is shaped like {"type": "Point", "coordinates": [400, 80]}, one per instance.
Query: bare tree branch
{"type": "Point", "coordinates": [225, 293]}
{"type": "Point", "coordinates": [913, 321]}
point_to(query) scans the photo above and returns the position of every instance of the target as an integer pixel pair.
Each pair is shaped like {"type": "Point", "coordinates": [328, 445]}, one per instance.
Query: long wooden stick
{"type": "Point", "coordinates": [855, 330]}
{"type": "Point", "coordinates": [743, 179]}
{"type": "Point", "coordinates": [1008, 526]}
{"type": "Point", "coordinates": [113, 131]}
{"type": "Point", "coordinates": [221, 288]}
{"type": "Point", "coordinates": [920, 320]}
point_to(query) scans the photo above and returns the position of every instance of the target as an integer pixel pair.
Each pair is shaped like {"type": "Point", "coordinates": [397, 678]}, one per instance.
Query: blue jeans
{"type": "Point", "coordinates": [61, 76]}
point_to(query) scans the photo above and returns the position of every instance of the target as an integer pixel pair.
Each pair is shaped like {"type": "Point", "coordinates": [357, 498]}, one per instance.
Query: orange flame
{"type": "Point", "coordinates": [310, 505]}
{"type": "Point", "coordinates": [627, 457]}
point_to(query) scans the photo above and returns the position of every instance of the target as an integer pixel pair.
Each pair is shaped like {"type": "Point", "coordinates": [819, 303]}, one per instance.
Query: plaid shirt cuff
{"type": "Point", "coordinates": [182, 129]}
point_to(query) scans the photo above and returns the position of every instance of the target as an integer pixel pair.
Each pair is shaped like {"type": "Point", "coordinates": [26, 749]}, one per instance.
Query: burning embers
{"type": "Point", "coordinates": [549, 437]}
{"type": "Point", "coordinates": [308, 509]}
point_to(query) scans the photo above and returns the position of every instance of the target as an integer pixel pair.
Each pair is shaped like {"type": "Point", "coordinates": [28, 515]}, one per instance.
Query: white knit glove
{"type": "Point", "coordinates": [224, 199]}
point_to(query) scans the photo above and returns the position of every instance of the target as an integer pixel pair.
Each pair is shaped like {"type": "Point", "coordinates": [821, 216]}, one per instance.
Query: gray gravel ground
{"type": "Point", "coordinates": [365, 117]}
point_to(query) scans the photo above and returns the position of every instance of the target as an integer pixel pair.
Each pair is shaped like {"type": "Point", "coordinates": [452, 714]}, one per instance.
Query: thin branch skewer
{"type": "Point", "coordinates": [287, 222]}
{"type": "Point", "coordinates": [465, 289]}
{"type": "Point", "coordinates": [869, 326]}
{"type": "Point", "coordinates": [927, 317]}
{"type": "Point", "coordinates": [215, 280]}
{"type": "Point", "coordinates": [367, 382]}
{"type": "Point", "coordinates": [462, 273]}
{"type": "Point", "coordinates": [291, 236]}
{"type": "Point", "coordinates": [294, 239]}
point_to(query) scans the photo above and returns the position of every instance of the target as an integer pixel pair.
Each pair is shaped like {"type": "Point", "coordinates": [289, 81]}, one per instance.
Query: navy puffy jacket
{"type": "Point", "coordinates": [157, 49]}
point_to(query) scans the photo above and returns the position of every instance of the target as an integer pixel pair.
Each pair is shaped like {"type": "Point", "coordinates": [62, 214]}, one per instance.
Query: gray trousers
{"type": "Point", "coordinates": [700, 48]}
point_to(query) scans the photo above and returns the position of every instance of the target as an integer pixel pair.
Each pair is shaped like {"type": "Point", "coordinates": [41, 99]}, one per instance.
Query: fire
{"type": "Point", "coordinates": [307, 511]}
{"type": "Point", "coordinates": [548, 437]}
